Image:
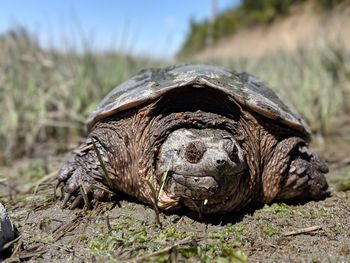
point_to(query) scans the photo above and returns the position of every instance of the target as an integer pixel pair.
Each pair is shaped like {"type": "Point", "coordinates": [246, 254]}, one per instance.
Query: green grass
{"type": "Point", "coordinates": [46, 94]}
{"type": "Point", "coordinates": [315, 81]}
{"type": "Point", "coordinates": [343, 186]}
{"type": "Point", "coordinates": [279, 209]}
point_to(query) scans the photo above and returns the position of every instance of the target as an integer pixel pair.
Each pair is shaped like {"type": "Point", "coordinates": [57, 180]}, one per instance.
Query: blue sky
{"type": "Point", "coordinates": [143, 27]}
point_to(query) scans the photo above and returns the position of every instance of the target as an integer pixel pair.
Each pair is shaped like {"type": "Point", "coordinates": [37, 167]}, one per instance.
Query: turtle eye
{"type": "Point", "coordinates": [232, 151]}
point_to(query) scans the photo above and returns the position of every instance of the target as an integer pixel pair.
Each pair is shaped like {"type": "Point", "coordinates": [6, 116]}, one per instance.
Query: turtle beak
{"type": "Point", "coordinates": [206, 185]}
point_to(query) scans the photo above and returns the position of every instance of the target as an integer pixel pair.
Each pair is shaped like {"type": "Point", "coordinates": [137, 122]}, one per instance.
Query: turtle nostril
{"type": "Point", "coordinates": [220, 162]}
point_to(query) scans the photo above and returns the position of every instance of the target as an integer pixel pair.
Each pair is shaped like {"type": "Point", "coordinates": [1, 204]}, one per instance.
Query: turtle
{"type": "Point", "coordinates": [200, 137]}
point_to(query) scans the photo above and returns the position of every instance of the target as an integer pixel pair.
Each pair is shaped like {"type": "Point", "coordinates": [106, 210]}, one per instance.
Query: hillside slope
{"type": "Point", "coordinates": [302, 28]}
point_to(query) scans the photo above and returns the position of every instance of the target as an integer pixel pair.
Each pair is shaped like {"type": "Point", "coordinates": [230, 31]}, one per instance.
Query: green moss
{"type": "Point", "coordinates": [188, 251]}
{"type": "Point", "coordinates": [322, 212]}
{"type": "Point", "coordinates": [220, 252]}
{"type": "Point", "coordinates": [130, 207]}
{"type": "Point", "coordinates": [236, 228]}
{"type": "Point", "coordinates": [96, 245]}
{"type": "Point", "coordinates": [44, 238]}
{"type": "Point", "coordinates": [302, 212]}
{"type": "Point", "coordinates": [343, 186]}
{"type": "Point", "coordinates": [170, 232]}
{"type": "Point", "coordinates": [280, 209]}
{"type": "Point", "coordinates": [231, 255]}
{"type": "Point", "coordinates": [337, 230]}
{"type": "Point", "coordinates": [270, 230]}
{"type": "Point", "coordinates": [144, 239]}
{"type": "Point", "coordinates": [83, 238]}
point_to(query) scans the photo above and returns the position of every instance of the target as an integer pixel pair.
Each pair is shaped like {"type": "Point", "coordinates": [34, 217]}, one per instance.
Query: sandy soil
{"type": "Point", "coordinates": [302, 28]}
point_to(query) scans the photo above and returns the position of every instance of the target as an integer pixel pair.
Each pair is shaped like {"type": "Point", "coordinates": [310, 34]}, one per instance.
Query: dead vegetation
{"type": "Point", "coordinates": [48, 94]}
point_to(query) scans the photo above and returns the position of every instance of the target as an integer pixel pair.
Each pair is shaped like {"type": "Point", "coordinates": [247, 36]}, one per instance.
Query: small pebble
{"type": "Point", "coordinates": [7, 230]}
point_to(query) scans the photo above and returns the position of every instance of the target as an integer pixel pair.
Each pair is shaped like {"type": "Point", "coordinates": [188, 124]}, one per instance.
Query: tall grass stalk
{"type": "Point", "coordinates": [45, 94]}
{"type": "Point", "coordinates": [315, 81]}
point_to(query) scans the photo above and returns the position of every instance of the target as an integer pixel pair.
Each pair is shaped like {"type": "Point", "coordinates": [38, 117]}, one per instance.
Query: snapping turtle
{"type": "Point", "coordinates": [204, 137]}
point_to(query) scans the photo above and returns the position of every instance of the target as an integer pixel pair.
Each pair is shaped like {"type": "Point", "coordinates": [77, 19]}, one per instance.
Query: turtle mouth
{"type": "Point", "coordinates": [204, 184]}
{"type": "Point", "coordinates": [203, 187]}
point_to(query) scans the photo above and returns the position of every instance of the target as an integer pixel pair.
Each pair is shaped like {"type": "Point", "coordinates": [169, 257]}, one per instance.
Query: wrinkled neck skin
{"type": "Point", "coordinates": [198, 143]}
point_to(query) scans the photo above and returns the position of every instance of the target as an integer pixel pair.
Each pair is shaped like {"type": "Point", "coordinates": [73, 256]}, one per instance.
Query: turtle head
{"type": "Point", "coordinates": [201, 165]}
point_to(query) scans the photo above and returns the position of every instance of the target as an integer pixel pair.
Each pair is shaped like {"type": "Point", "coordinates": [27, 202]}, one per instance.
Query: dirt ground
{"type": "Point", "coordinates": [126, 230]}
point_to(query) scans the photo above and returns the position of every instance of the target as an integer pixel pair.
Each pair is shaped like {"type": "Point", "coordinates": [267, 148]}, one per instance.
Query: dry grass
{"type": "Point", "coordinates": [45, 94]}
{"type": "Point", "coordinates": [316, 81]}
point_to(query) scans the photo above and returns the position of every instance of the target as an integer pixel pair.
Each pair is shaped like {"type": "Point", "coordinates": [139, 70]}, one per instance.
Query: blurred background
{"type": "Point", "coordinates": [59, 58]}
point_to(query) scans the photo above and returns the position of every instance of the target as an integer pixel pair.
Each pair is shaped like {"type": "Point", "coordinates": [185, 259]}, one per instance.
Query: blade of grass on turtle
{"type": "Point", "coordinates": [104, 189]}
{"type": "Point", "coordinates": [154, 202]}
{"type": "Point", "coordinates": [162, 183]}
{"type": "Point", "coordinates": [105, 173]}
{"type": "Point", "coordinates": [85, 197]}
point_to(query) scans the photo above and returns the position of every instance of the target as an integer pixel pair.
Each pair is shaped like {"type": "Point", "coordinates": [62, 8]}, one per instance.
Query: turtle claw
{"type": "Point", "coordinates": [306, 178]}
{"type": "Point", "coordinates": [80, 180]}
{"type": "Point", "coordinates": [77, 201]}
{"type": "Point", "coordinates": [73, 199]}
{"type": "Point", "coordinates": [65, 200]}
{"type": "Point", "coordinates": [74, 190]}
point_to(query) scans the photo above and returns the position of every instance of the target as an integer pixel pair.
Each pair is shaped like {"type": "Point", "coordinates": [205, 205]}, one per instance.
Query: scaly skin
{"type": "Point", "coordinates": [279, 166]}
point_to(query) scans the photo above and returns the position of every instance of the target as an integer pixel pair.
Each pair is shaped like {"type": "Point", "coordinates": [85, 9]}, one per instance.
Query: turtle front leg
{"type": "Point", "coordinates": [84, 172]}
{"type": "Point", "coordinates": [305, 178]}
{"type": "Point", "coordinates": [294, 173]}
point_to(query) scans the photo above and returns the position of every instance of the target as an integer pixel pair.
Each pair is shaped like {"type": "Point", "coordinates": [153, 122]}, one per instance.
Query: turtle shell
{"type": "Point", "coordinates": [244, 88]}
